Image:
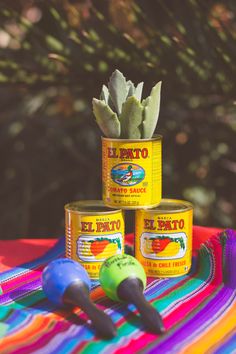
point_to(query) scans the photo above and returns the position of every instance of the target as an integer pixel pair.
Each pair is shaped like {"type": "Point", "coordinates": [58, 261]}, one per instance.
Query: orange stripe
{"type": "Point", "coordinates": [97, 293]}
{"type": "Point", "coordinates": [215, 334]}
{"type": "Point", "coordinates": [39, 325]}
{"type": "Point", "coordinates": [30, 332]}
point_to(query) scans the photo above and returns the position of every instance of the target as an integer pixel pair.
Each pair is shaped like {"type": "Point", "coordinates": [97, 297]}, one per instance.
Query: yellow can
{"type": "Point", "coordinates": [94, 232]}
{"type": "Point", "coordinates": [132, 172]}
{"type": "Point", "coordinates": [163, 238]}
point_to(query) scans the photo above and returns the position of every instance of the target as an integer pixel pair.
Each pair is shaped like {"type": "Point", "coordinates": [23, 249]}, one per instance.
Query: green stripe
{"type": "Point", "coordinates": [27, 301]}
{"type": "Point", "coordinates": [188, 287]}
{"type": "Point", "coordinates": [4, 311]}
{"type": "Point", "coordinates": [3, 329]}
{"type": "Point", "coordinates": [127, 328]}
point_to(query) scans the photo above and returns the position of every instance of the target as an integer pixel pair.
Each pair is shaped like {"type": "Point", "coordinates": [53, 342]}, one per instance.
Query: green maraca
{"type": "Point", "coordinates": [123, 278]}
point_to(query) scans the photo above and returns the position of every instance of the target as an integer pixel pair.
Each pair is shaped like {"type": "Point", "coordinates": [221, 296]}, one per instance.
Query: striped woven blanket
{"type": "Point", "coordinates": [199, 310]}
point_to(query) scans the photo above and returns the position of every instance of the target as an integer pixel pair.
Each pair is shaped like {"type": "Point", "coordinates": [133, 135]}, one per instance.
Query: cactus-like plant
{"type": "Point", "coordinates": [121, 113]}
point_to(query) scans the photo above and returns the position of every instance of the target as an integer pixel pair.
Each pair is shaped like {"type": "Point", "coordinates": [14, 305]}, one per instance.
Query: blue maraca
{"type": "Point", "coordinates": [65, 281]}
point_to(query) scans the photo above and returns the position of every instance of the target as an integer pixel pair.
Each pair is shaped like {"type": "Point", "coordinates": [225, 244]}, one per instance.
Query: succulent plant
{"type": "Point", "coordinates": [121, 113]}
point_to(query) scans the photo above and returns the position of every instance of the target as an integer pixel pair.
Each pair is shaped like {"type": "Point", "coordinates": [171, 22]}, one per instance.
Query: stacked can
{"type": "Point", "coordinates": [163, 238]}
{"type": "Point", "coordinates": [132, 179]}
{"type": "Point", "coordinates": [131, 172]}
{"type": "Point", "coordinates": [94, 233]}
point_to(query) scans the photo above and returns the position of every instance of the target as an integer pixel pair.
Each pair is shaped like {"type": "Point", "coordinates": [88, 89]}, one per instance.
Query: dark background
{"type": "Point", "coordinates": [54, 58]}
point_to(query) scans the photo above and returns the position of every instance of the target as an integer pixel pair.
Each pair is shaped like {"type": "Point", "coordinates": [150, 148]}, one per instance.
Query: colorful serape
{"type": "Point", "coordinates": [199, 310]}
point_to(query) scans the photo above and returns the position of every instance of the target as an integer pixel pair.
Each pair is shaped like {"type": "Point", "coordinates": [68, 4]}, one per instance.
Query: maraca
{"type": "Point", "coordinates": [123, 278]}
{"type": "Point", "coordinates": [65, 281]}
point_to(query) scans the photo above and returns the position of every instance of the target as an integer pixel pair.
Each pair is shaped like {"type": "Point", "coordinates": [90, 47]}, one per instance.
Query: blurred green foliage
{"type": "Point", "coordinates": [54, 58]}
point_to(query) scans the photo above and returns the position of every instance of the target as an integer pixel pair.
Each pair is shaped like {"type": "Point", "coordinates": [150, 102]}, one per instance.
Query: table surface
{"type": "Point", "coordinates": [198, 309]}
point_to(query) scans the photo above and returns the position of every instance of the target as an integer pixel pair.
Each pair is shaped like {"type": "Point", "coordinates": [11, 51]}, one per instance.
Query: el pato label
{"type": "Point", "coordinates": [163, 238]}
{"type": "Point", "coordinates": [93, 234]}
{"type": "Point", "coordinates": [131, 172]}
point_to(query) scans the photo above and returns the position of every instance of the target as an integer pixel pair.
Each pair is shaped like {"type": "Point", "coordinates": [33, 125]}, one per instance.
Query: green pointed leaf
{"type": "Point", "coordinates": [144, 101]}
{"type": "Point", "coordinates": [131, 119]}
{"type": "Point", "coordinates": [151, 111]}
{"type": "Point", "coordinates": [106, 119]}
{"type": "Point", "coordinates": [104, 96]}
{"type": "Point", "coordinates": [138, 91]}
{"type": "Point", "coordinates": [118, 90]}
{"type": "Point", "coordinates": [131, 88]}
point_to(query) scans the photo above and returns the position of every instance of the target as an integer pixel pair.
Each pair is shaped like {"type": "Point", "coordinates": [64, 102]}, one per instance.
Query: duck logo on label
{"type": "Point", "coordinates": [127, 174]}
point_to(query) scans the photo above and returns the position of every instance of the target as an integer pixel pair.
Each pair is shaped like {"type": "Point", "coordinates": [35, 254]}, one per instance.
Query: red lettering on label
{"type": "Point", "coordinates": [181, 224]}
{"type": "Point", "coordinates": [144, 153]}
{"type": "Point", "coordinates": [108, 226]}
{"type": "Point", "coordinates": [137, 190]}
{"type": "Point", "coordinates": [164, 265]}
{"type": "Point", "coordinates": [175, 223]}
{"type": "Point", "coordinates": [170, 225]}
{"type": "Point", "coordinates": [179, 264]}
{"type": "Point", "coordinates": [161, 224]}
{"type": "Point", "coordinates": [137, 152]}
{"type": "Point", "coordinates": [133, 153]}
{"type": "Point", "coordinates": [112, 153]}
{"type": "Point", "coordinates": [87, 226]}
{"type": "Point", "coordinates": [149, 224]}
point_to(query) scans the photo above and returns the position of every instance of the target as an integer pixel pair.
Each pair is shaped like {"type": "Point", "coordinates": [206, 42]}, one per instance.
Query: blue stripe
{"type": "Point", "coordinates": [228, 347]}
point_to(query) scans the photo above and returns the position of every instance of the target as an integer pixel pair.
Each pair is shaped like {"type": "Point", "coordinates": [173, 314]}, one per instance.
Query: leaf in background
{"type": "Point", "coordinates": [138, 91]}
{"type": "Point", "coordinates": [54, 43]}
{"type": "Point", "coordinates": [131, 119]}
{"type": "Point", "coordinates": [106, 119]}
{"type": "Point", "coordinates": [151, 111]}
{"type": "Point", "coordinates": [118, 90]}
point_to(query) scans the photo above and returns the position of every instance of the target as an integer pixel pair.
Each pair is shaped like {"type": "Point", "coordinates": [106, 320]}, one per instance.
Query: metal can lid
{"type": "Point", "coordinates": [90, 207]}
{"type": "Point", "coordinates": [171, 206]}
{"type": "Point", "coordinates": [155, 137]}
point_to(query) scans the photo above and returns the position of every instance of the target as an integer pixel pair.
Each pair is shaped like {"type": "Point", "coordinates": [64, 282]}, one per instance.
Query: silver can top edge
{"type": "Point", "coordinates": [169, 206]}
{"type": "Point", "coordinates": [154, 138]}
{"type": "Point", "coordinates": [90, 207]}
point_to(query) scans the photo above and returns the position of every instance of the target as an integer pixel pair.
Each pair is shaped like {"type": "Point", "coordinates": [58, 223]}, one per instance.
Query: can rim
{"type": "Point", "coordinates": [83, 204]}
{"type": "Point", "coordinates": [167, 201]}
{"type": "Point", "coordinates": [154, 138]}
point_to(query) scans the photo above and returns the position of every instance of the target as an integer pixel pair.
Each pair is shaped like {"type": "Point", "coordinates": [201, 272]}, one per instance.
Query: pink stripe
{"type": "Point", "coordinates": [25, 278]}
{"type": "Point", "coordinates": [193, 302]}
{"type": "Point", "coordinates": [184, 309]}
{"type": "Point", "coordinates": [137, 344]}
{"type": "Point", "coordinates": [51, 328]}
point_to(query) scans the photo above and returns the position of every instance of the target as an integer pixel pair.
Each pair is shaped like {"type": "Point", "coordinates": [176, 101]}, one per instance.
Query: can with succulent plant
{"type": "Point", "coordinates": [131, 156]}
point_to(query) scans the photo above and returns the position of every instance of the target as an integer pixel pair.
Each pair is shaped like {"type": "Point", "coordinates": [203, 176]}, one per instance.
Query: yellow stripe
{"type": "Point", "coordinates": [214, 335]}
